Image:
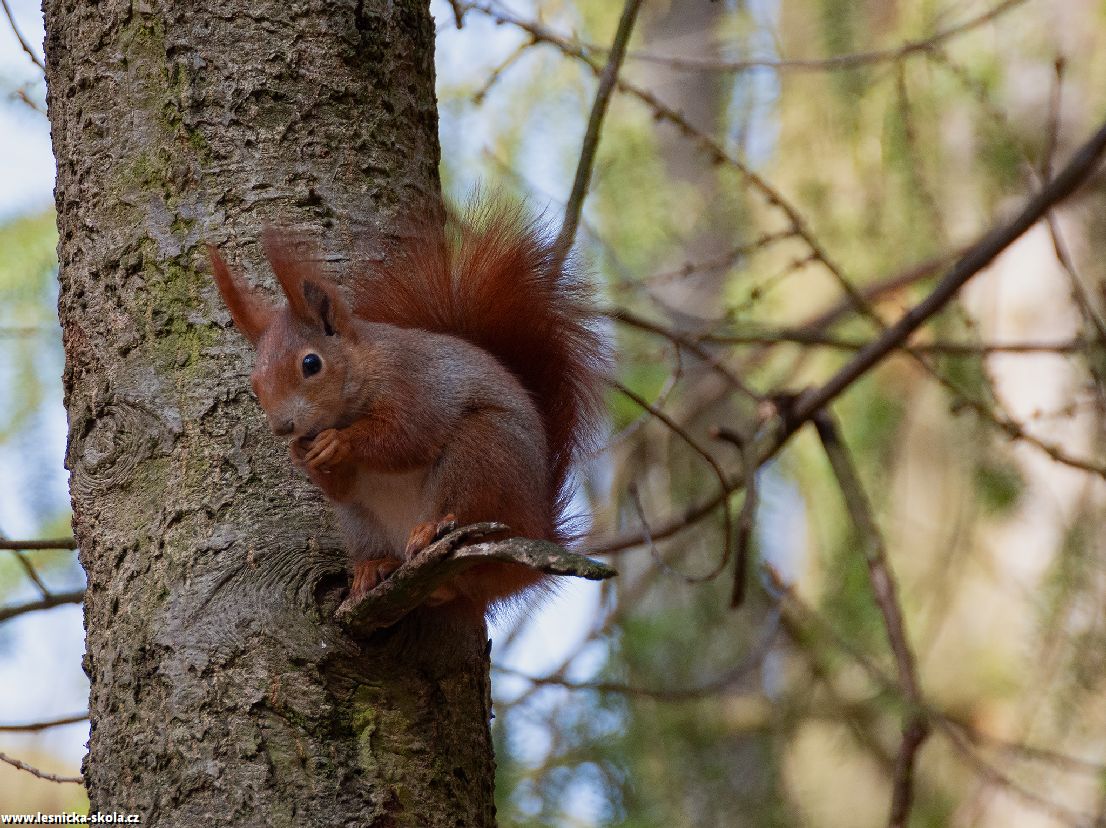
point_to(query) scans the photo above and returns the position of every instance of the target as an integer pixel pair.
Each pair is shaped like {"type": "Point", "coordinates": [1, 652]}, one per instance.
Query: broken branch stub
{"type": "Point", "coordinates": [415, 579]}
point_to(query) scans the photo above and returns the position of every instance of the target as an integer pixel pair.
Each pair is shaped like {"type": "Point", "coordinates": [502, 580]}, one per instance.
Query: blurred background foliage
{"type": "Point", "coordinates": [895, 132]}
{"type": "Point", "coordinates": [30, 376]}
{"type": "Point", "coordinates": [674, 709]}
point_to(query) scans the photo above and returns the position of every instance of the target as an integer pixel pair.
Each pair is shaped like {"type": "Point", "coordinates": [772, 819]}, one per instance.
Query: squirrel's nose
{"type": "Point", "coordinates": [282, 428]}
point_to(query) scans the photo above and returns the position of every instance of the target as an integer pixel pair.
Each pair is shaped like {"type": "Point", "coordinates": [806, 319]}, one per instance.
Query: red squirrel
{"type": "Point", "coordinates": [455, 385]}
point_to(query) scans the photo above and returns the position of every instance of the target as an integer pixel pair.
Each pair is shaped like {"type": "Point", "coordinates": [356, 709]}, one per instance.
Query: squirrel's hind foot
{"type": "Point", "coordinates": [367, 575]}
{"type": "Point", "coordinates": [421, 537]}
{"type": "Point", "coordinates": [425, 534]}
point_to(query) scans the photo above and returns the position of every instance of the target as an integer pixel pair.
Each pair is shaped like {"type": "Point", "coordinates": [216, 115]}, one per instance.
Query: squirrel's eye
{"type": "Point", "coordinates": [312, 364]}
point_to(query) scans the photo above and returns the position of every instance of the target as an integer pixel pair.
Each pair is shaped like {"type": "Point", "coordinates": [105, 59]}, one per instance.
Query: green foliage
{"type": "Point", "coordinates": [998, 485]}
{"type": "Point", "coordinates": [29, 248]}
{"type": "Point", "coordinates": [841, 31]}
{"type": "Point", "coordinates": [1003, 157]}
{"type": "Point", "coordinates": [847, 601]}
{"type": "Point", "coordinates": [30, 378]}
{"type": "Point", "coordinates": [28, 262]}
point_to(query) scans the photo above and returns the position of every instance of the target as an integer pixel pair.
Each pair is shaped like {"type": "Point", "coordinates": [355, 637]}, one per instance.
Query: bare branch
{"type": "Point", "coordinates": [20, 332]}
{"type": "Point", "coordinates": [716, 264]}
{"type": "Point", "coordinates": [27, 545]}
{"type": "Point", "coordinates": [21, 94]}
{"type": "Point", "coordinates": [916, 726]}
{"type": "Point", "coordinates": [914, 734]}
{"type": "Point", "coordinates": [804, 336]}
{"type": "Point", "coordinates": [713, 148]}
{"type": "Point", "coordinates": [684, 341]}
{"type": "Point", "coordinates": [19, 36]}
{"type": "Point", "coordinates": [835, 62]}
{"type": "Point", "coordinates": [35, 727]}
{"type": "Point", "coordinates": [976, 259]}
{"type": "Point", "coordinates": [498, 72]}
{"type": "Point", "coordinates": [49, 777]}
{"type": "Point", "coordinates": [746, 519]}
{"type": "Point", "coordinates": [31, 572]}
{"type": "Point", "coordinates": [415, 580]}
{"type": "Point", "coordinates": [719, 473]}
{"type": "Point", "coordinates": [797, 614]}
{"type": "Point", "coordinates": [1052, 131]}
{"type": "Point", "coordinates": [55, 599]}
{"type": "Point", "coordinates": [993, 776]}
{"type": "Point", "coordinates": [595, 124]}
{"type": "Point", "coordinates": [777, 432]}
{"type": "Point", "coordinates": [1074, 764]}
{"type": "Point", "coordinates": [878, 290]}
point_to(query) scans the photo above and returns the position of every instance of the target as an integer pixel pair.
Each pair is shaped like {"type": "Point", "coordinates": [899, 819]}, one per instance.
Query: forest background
{"type": "Point", "coordinates": [776, 181]}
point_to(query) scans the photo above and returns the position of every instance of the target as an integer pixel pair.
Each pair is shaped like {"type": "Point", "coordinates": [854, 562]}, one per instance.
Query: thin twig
{"type": "Point", "coordinates": [800, 336]}
{"type": "Point", "coordinates": [835, 62]}
{"type": "Point", "coordinates": [746, 519]}
{"type": "Point", "coordinates": [797, 612]}
{"type": "Point", "coordinates": [31, 573]}
{"type": "Point", "coordinates": [1052, 131]}
{"type": "Point", "coordinates": [1080, 294]}
{"type": "Point", "coordinates": [915, 727]}
{"type": "Point", "coordinates": [684, 341]}
{"type": "Point", "coordinates": [21, 93]}
{"type": "Point", "coordinates": [742, 670]}
{"type": "Point", "coordinates": [643, 519]}
{"type": "Point", "coordinates": [671, 381]}
{"type": "Point", "coordinates": [878, 290]}
{"type": "Point", "coordinates": [658, 559]}
{"type": "Point", "coordinates": [607, 81]}
{"type": "Point", "coordinates": [1013, 429]}
{"type": "Point", "coordinates": [55, 599]}
{"type": "Point", "coordinates": [712, 147]}
{"type": "Point", "coordinates": [27, 545]}
{"type": "Point", "coordinates": [1074, 764]}
{"type": "Point", "coordinates": [9, 332]}
{"type": "Point", "coordinates": [19, 36]}
{"type": "Point", "coordinates": [497, 73]}
{"type": "Point", "coordinates": [914, 161]}
{"type": "Point", "coordinates": [49, 777]}
{"type": "Point", "coordinates": [724, 488]}
{"type": "Point", "coordinates": [35, 727]}
{"type": "Point", "coordinates": [717, 151]}
{"type": "Point", "coordinates": [993, 776]}
{"type": "Point", "coordinates": [713, 265]}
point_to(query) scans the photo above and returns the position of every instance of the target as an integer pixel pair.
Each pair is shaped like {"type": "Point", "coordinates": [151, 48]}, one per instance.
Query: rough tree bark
{"type": "Point", "coordinates": [221, 690]}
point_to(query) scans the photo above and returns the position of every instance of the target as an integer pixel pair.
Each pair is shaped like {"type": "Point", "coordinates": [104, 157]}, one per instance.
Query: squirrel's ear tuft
{"type": "Point", "coordinates": [251, 313]}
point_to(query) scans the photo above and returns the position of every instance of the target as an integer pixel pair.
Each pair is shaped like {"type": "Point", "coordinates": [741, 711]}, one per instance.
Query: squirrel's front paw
{"type": "Point", "coordinates": [298, 452]}
{"type": "Point", "coordinates": [329, 449]}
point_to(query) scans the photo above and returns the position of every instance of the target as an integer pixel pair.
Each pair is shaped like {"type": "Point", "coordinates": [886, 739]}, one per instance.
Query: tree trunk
{"type": "Point", "coordinates": [221, 690]}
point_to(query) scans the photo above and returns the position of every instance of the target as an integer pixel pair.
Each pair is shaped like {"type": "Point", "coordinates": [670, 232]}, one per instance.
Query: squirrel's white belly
{"type": "Point", "coordinates": [397, 501]}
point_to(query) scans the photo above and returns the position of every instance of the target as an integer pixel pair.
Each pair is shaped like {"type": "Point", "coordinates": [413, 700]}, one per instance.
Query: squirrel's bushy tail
{"type": "Point", "coordinates": [492, 277]}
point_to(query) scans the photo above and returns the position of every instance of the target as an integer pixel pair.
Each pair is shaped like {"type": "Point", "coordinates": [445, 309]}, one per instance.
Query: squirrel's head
{"type": "Point", "coordinates": [303, 347]}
